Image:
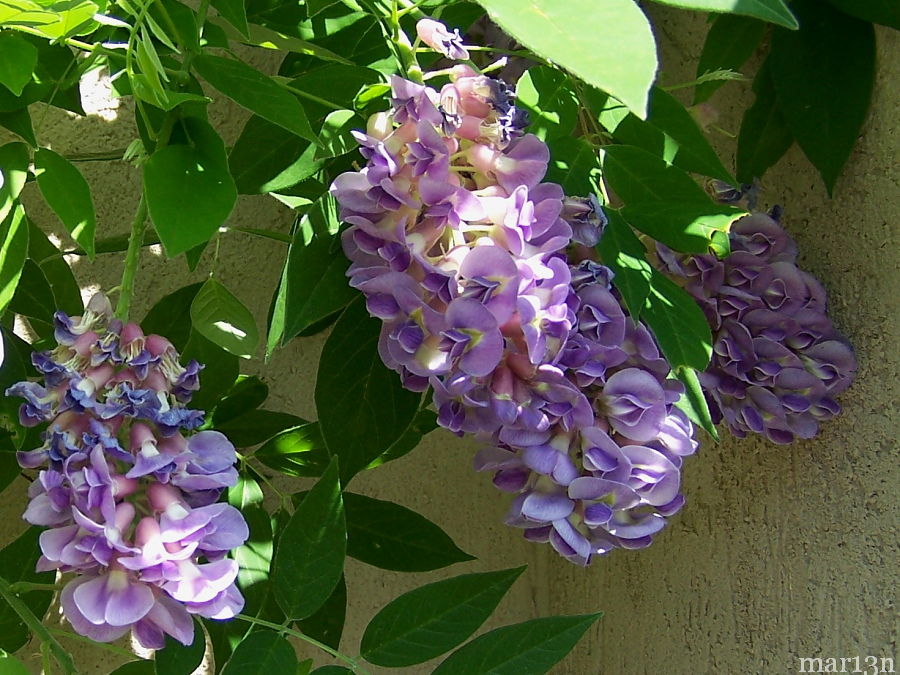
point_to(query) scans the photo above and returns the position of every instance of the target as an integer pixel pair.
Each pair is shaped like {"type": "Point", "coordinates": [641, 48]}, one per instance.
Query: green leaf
{"type": "Point", "coordinates": [313, 7]}
{"type": "Point", "coordinates": [15, 366]}
{"type": "Point", "coordinates": [393, 537]}
{"type": "Point", "coordinates": [669, 132]}
{"type": "Point", "coordinates": [254, 557]}
{"type": "Point", "coordinates": [141, 667]}
{"type": "Point", "coordinates": [248, 393]}
{"type": "Point", "coordinates": [309, 561]}
{"type": "Point", "coordinates": [263, 652]}
{"type": "Point", "coordinates": [299, 451]}
{"type": "Point", "coordinates": [34, 297]}
{"type": "Point", "coordinates": [14, 159]}
{"type": "Point", "coordinates": [547, 95]}
{"type": "Point", "coordinates": [424, 422]}
{"type": "Point", "coordinates": [234, 13]}
{"type": "Point", "coordinates": [268, 158]}
{"type": "Point", "coordinates": [255, 91]}
{"type": "Point", "coordinates": [19, 122]}
{"type": "Point", "coordinates": [432, 619]}
{"type": "Point", "coordinates": [625, 255]}
{"type": "Point", "coordinates": [764, 135]}
{"type": "Point", "coordinates": [355, 34]}
{"type": "Point", "coordinates": [529, 648]}
{"type": "Point", "coordinates": [773, 11]}
{"type": "Point", "coordinates": [335, 138]}
{"type": "Point", "coordinates": [363, 409]}
{"type": "Point", "coordinates": [66, 292]}
{"type": "Point", "coordinates": [575, 165]}
{"type": "Point", "coordinates": [275, 328]}
{"type": "Point", "coordinates": [608, 45]}
{"type": "Point", "coordinates": [68, 194]}
{"type": "Point", "coordinates": [55, 78]}
{"type": "Point", "coordinates": [316, 283]}
{"type": "Point", "coordinates": [678, 324]}
{"type": "Point", "coordinates": [885, 12]}
{"type": "Point", "coordinates": [336, 83]}
{"type": "Point", "coordinates": [637, 175]}
{"type": "Point", "coordinates": [266, 38]}
{"type": "Point", "coordinates": [10, 665]}
{"type": "Point", "coordinates": [171, 316]}
{"type": "Point", "coordinates": [693, 403]}
{"type": "Point", "coordinates": [221, 318]}
{"type": "Point", "coordinates": [17, 560]}
{"type": "Point", "coordinates": [179, 659]}
{"type": "Point", "coordinates": [663, 201]}
{"type": "Point", "coordinates": [258, 425]}
{"type": "Point", "coordinates": [183, 26]}
{"type": "Point", "coordinates": [731, 40]}
{"type": "Point", "coordinates": [823, 76]}
{"type": "Point", "coordinates": [219, 374]}
{"type": "Point", "coordinates": [9, 470]}
{"type": "Point", "coordinates": [18, 58]}
{"type": "Point", "coordinates": [13, 250]}
{"type": "Point", "coordinates": [327, 624]}
{"type": "Point", "coordinates": [332, 670]}
{"type": "Point", "coordinates": [173, 178]}
{"type": "Point", "coordinates": [685, 227]}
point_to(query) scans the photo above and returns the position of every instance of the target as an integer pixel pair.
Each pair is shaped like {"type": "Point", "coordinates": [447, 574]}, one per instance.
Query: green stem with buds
{"type": "Point", "coordinates": [35, 626]}
{"type": "Point", "coordinates": [132, 257]}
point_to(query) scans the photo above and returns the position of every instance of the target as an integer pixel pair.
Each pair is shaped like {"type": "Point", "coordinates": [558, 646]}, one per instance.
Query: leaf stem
{"type": "Point", "coordinates": [34, 624]}
{"type": "Point", "coordinates": [132, 257]}
{"type": "Point", "coordinates": [310, 97]}
{"type": "Point", "coordinates": [350, 661]}
{"type": "Point", "coordinates": [27, 586]}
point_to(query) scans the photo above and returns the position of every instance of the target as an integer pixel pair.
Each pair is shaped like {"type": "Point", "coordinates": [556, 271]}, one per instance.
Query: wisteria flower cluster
{"type": "Point", "coordinates": [128, 497]}
{"type": "Point", "coordinates": [778, 361]}
{"type": "Point", "coordinates": [459, 248]}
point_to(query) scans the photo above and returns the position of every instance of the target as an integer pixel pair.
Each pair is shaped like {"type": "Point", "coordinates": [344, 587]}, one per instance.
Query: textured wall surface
{"type": "Point", "coordinates": [780, 552]}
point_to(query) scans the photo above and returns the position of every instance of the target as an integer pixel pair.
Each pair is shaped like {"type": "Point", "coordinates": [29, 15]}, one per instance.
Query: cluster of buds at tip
{"type": "Point", "coordinates": [460, 249]}
{"type": "Point", "coordinates": [127, 491]}
{"type": "Point", "coordinates": [777, 361]}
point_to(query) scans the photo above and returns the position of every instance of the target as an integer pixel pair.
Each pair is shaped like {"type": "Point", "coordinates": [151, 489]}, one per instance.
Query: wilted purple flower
{"type": "Point", "coordinates": [777, 360]}
{"type": "Point", "coordinates": [115, 404]}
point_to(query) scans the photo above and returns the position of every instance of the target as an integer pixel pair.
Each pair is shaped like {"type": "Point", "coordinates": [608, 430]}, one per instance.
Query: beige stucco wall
{"type": "Point", "coordinates": [779, 553]}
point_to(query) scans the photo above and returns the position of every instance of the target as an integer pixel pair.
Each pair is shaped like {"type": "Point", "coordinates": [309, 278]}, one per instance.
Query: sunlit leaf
{"type": "Point", "coordinates": [220, 317]}
{"type": "Point", "coordinates": [68, 195]}
{"type": "Point", "coordinates": [18, 58]}
{"type": "Point", "coordinates": [173, 178]}
{"type": "Point", "coordinates": [255, 91]}
{"type": "Point", "coordinates": [608, 45]}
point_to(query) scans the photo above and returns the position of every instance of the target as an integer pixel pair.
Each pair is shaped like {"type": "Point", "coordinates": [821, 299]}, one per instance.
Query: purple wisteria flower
{"type": "Point", "coordinates": [777, 362]}
{"type": "Point", "coordinates": [435, 35]}
{"type": "Point", "coordinates": [467, 269]}
{"type": "Point", "coordinates": [128, 497]}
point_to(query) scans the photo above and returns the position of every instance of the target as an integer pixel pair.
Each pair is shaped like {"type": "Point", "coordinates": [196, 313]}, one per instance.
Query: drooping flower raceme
{"type": "Point", "coordinates": [127, 491]}
{"type": "Point", "coordinates": [459, 249]}
{"type": "Point", "coordinates": [777, 361]}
